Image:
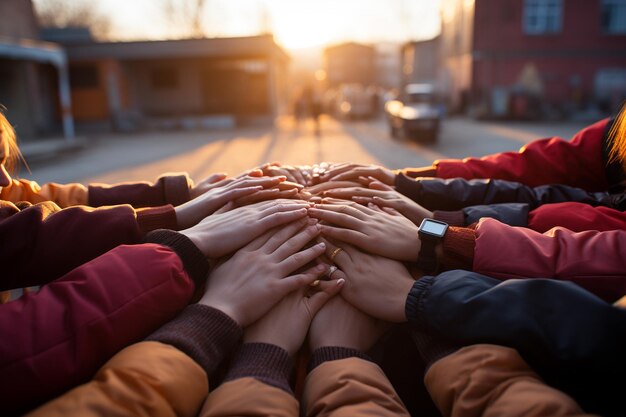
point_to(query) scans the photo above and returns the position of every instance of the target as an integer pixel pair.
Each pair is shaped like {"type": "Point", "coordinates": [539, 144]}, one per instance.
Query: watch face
{"type": "Point", "coordinates": [433, 228]}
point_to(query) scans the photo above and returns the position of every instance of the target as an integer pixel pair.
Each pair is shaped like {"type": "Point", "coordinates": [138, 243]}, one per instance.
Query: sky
{"type": "Point", "coordinates": [295, 23]}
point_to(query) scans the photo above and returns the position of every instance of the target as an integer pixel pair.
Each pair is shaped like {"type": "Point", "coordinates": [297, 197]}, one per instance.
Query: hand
{"type": "Point", "coordinates": [375, 285]}
{"type": "Point", "coordinates": [382, 233]}
{"type": "Point", "coordinates": [206, 184]}
{"type": "Point", "coordinates": [287, 323]}
{"type": "Point", "coordinates": [256, 277]}
{"type": "Point", "coordinates": [197, 209]}
{"type": "Point", "coordinates": [284, 190]}
{"type": "Point", "coordinates": [223, 233]}
{"type": "Point", "coordinates": [293, 174]}
{"type": "Point", "coordinates": [338, 323]}
{"type": "Point", "coordinates": [352, 172]}
{"type": "Point", "coordinates": [384, 196]}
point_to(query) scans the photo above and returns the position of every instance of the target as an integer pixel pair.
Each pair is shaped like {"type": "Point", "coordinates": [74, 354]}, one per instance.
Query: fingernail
{"type": "Point", "coordinates": [322, 245]}
{"type": "Point", "coordinates": [321, 268]}
{"type": "Point", "coordinates": [312, 221]}
{"type": "Point", "coordinates": [340, 282]}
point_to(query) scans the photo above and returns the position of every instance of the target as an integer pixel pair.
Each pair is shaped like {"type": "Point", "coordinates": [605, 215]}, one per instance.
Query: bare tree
{"type": "Point", "coordinates": [66, 13]}
{"type": "Point", "coordinates": [185, 17]}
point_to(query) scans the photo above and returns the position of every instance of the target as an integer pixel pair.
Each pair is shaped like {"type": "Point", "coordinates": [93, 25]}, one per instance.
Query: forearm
{"type": "Point", "coordinates": [168, 189]}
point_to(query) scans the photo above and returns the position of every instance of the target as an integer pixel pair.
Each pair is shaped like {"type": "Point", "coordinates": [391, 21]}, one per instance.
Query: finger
{"type": "Point", "coordinates": [377, 185]}
{"type": "Point", "coordinates": [336, 218]}
{"type": "Point", "coordinates": [364, 181]}
{"type": "Point", "coordinates": [354, 173]}
{"type": "Point", "coordinates": [298, 176]}
{"type": "Point", "coordinates": [341, 258]}
{"type": "Point", "coordinates": [363, 200]}
{"type": "Point", "coordinates": [285, 230]}
{"type": "Point", "coordinates": [344, 235]}
{"type": "Point", "coordinates": [288, 240]}
{"type": "Point", "coordinates": [294, 282]}
{"type": "Point", "coordinates": [213, 178]}
{"type": "Point", "coordinates": [337, 170]}
{"type": "Point", "coordinates": [392, 204]}
{"type": "Point", "coordinates": [265, 182]}
{"type": "Point", "coordinates": [328, 290]}
{"type": "Point", "coordinates": [350, 192]}
{"type": "Point", "coordinates": [389, 210]}
{"type": "Point", "coordinates": [288, 185]}
{"type": "Point", "coordinates": [300, 259]}
{"type": "Point", "coordinates": [278, 219]}
{"type": "Point", "coordinates": [347, 207]}
{"type": "Point", "coordinates": [271, 194]}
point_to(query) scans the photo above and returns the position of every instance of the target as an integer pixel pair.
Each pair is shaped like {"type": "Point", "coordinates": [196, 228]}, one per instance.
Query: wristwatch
{"type": "Point", "coordinates": [430, 232]}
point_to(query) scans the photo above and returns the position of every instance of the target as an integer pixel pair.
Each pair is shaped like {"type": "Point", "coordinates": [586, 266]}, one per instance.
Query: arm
{"type": "Point", "coordinates": [489, 380]}
{"type": "Point", "coordinates": [591, 259]}
{"type": "Point", "coordinates": [576, 217]}
{"type": "Point", "coordinates": [457, 193]}
{"type": "Point", "coordinates": [578, 163]}
{"type": "Point", "coordinates": [168, 189]}
{"type": "Point", "coordinates": [57, 338]}
{"type": "Point", "coordinates": [47, 242]}
{"type": "Point", "coordinates": [64, 195]}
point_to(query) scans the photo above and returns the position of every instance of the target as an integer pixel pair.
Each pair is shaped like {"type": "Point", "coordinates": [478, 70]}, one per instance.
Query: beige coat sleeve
{"type": "Point", "coordinates": [249, 397]}
{"type": "Point", "coordinates": [350, 387]}
{"type": "Point", "coordinates": [144, 379]}
{"type": "Point", "coordinates": [489, 380]}
{"type": "Point", "coordinates": [64, 195]}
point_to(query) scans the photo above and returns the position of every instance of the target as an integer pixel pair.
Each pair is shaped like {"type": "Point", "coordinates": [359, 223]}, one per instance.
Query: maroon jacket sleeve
{"type": "Point", "coordinates": [57, 338]}
{"type": "Point", "coordinates": [168, 189]}
{"type": "Point", "coordinates": [592, 259]}
{"type": "Point", "coordinates": [577, 217]}
{"type": "Point", "coordinates": [577, 163]}
{"type": "Point", "coordinates": [43, 242]}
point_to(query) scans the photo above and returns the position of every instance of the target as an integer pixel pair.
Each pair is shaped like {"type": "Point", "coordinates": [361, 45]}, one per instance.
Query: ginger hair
{"type": "Point", "coordinates": [7, 135]}
{"type": "Point", "coordinates": [617, 134]}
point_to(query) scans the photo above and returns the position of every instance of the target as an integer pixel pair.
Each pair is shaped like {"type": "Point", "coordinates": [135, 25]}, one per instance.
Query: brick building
{"type": "Point", "coordinates": [519, 57]}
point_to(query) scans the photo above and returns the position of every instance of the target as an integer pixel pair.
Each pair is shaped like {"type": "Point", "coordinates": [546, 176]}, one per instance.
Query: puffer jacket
{"type": "Point", "coordinates": [490, 380]}
{"type": "Point", "coordinates": [58, 337]}
{"type": "Point", "coordinates": [592, 259]}
{"type": "Point", "coordinates": [582, 162]}
{"type": "Point", "coordinates": [574, 340]}
{"type": "Point", "coordinates": [168, 189]}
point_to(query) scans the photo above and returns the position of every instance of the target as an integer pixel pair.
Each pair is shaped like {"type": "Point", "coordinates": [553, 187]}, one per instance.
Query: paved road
{"type": "Point", "coordinates": [114, 158]}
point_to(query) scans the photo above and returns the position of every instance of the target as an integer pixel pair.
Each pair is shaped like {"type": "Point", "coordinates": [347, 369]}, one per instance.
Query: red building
{"type": "Point", "coordinates": [533, 57]}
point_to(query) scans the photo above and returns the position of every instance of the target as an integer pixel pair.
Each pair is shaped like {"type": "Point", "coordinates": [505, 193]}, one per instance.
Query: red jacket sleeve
{"type": "Point", "coordinates": [594, 260]}
{"type": "Point", "coordinates": [57, 338]}
{"type": "Point", "coordinates": [43, 242]}
{"type": "Point", "coordinates": [577, 217]}
{"type": "Point", "coordinates": [577, 163]}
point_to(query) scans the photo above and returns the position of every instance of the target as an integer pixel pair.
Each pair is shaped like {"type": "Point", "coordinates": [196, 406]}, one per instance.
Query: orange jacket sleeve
{"type": "Point", "coordinates": [489, 380]}
{"type": "Point", "coordinates": [64, 195]}
{"type": "Point", "coordinates": [349, 387]}
{"type": "Point", "coordinates": [144, 379]}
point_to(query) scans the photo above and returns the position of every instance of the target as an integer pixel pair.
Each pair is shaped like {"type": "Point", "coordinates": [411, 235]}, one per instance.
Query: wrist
{"type": "Point", "coordinates": [223, 307]}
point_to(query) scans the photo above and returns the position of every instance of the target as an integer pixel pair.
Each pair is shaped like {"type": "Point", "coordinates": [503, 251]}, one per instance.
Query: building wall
{"type": "Point", "coordinates": [567, 62]}
{"type": "Point", "coordinates": [17, 19]}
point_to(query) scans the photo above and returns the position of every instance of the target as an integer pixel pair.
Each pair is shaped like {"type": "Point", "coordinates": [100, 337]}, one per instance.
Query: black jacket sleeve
{"type": "Point", "coordinates": [457, 193]}
{"type": "Point", "coordinates": [572, 338]}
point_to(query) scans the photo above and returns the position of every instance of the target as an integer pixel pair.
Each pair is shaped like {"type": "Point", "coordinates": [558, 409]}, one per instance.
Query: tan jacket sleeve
{"type": "Point", "coordinates": [489, 380]}
{"type": "Point", "coordinates": [249, 397]}
{"type": "Point", "coordinates": [64, 195]}
{"type": "Point", "coordinates": [145, 379]}
{"type": "Point", "coordinates": [350, 387]}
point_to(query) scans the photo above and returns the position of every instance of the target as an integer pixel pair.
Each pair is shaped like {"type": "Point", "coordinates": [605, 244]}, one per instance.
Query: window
{"type": "Point", "coordinates": [84, 76]}
{"type": "Point", "coordinates": [164, 78]}
{"type": "Point", "coordinates": [542, 16]}
{"type": "Point", "coordinates": [614, 16]}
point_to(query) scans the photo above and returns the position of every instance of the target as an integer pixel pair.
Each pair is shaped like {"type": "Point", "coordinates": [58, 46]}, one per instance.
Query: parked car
{"type": "Point", "coordinates": [416, 114]}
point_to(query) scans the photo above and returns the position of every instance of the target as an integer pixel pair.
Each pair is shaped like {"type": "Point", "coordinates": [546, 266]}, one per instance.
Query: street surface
{"type": "Point", "coordinates": [144, 156]}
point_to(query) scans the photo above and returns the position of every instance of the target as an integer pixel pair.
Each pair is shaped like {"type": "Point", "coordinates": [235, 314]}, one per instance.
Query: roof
{"type": "Point", "coordinates": [32, 50]}
{"type": "Point", "coordinates": [181, 48]}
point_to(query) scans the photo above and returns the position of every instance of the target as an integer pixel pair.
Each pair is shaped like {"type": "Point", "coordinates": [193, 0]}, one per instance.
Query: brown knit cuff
{"type": "Point", "coordinates": [453, 218]}
{"type": "Point", "coordinates": [334, 353]}
{"type": "Point", "coordinates": [176, 188]}
{"type": "Point", "coordinates": [458, 248]}
{"type": "Point", "coordinates": [430, 171]}
{"type": "Point", "coordinates": [152, 218]}
{"type": "Point", "coordinates": [268, 363]}
{"type": "Point", "coordinates": [203, 333]}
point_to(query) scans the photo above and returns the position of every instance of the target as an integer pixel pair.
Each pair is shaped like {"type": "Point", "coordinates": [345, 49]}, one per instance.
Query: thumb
{"type": "Point", "coordinates": [328, 290]}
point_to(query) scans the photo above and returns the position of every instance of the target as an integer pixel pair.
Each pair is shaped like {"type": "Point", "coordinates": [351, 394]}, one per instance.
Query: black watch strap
{"type": "Point", "coordinates": [427, 257]}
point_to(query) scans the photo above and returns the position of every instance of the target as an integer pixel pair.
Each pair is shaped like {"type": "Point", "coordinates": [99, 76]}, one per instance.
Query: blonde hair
{"type": "Point", "coordinates": [617, 134]}
{"type": "Point", "coordinates": [7, 135]}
